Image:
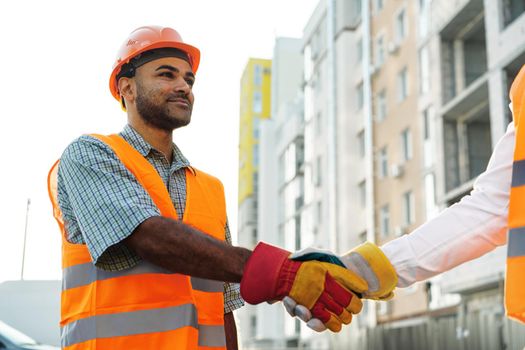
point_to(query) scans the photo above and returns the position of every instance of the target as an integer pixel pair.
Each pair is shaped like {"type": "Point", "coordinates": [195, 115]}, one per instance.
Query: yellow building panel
{"type": "Point", "coordinates": [255, 104]}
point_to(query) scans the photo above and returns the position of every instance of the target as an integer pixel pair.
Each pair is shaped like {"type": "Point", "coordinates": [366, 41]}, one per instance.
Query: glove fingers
{"type": "Point", "coordinates": [334, 308]}
{"type": "Point", "coordinates": [342, 296]}
{"type": "Point", "coordinates": [289, 305]}
{"type": "Point", "coordinates": [303, 313]}
{"type": "Point", "coordinates": [331, 321]}
{"type": "Point", "coordinates": [316, 325]}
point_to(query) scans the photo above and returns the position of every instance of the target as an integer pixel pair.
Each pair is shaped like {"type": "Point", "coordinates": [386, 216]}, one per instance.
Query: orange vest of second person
{"type": "Point", "coordinates": [515, 278]}
{"type": "Point", "coordinates": [144, 307]}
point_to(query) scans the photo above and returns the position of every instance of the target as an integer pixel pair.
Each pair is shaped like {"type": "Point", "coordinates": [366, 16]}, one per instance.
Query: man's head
{"type": "Point", "coordinates": [153, 76]}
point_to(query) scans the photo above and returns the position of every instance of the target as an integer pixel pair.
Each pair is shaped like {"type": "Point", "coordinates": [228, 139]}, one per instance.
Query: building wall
{"type": "Point", "coordinates": [404, 163]}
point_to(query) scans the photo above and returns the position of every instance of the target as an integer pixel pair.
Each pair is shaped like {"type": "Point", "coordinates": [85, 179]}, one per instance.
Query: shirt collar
{"type": "Point", "coordinates": [137, 141]}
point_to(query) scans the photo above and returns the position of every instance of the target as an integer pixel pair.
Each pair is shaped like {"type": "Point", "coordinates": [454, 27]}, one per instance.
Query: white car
{"type": "Point", "coordinates": [12, 339]}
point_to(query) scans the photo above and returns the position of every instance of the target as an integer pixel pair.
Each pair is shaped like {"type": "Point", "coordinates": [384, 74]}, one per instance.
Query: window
{"type": "Point", "coordinates": [512, 9]}
{"type": "Point", "coordinates": [378, 5]}
{"type": "Point", "coordinates": [424, 11]}
{"type": "Point", "coordinates": [257, 102]}
{"type": "Point", "coordinates": [383, 163]}
{"type": "Point", "coordinates": [253, 326]}
{"type": "Point", "coordinates": [430, 196]}
{"type": "Point", "coordinates": [318, 177]}
{"type": "Point", "coordinates": [360, 96]}
{"type": "Point", "coordinates": [362, 193]}
{"type": "Point", "coordinates": [381, 106]}
{"type": "Point", "coordinates": [424, 71]}
{"type": "Point", "coordinates": [257, 75]}
{"type": "Point", "coordinates": [359, 50]}
{"type": "Point", "coordinates": [426, 124]}
{"type": "Point", "coordinates": [384, 221]}
{"type": "Point", "coordinates": [408, 208]}
{"type": "Point", "coordinates": [402, 85]}
{"type": "Point", "coordinates": [255, 125]}
{"type": "Point", "coordinates": [361, 141]}
{"type": "Point", "coordinates": [256, 155]}
{"type": "Point", "coordinates": [318, 123]}
{"type": "Point", "coordinates": [401, 26]}
{"type": "Point", "coordinates": [406, 144]}
{"type": "Point", "coordinates": [380, 50]}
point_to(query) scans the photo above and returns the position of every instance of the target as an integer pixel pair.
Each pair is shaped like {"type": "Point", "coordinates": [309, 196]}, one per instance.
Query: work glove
{"type": "Point", "coordinates": [367, 261]}
{"type": "Point", "coordinates": [325, 289]}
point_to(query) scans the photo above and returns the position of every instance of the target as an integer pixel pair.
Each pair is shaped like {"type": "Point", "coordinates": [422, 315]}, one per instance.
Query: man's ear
{"type": "Point", "coordinates": [126, 88]}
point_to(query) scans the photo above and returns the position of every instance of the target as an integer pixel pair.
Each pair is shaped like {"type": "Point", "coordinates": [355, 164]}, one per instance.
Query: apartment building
{"type": "Point", "coordinates": [397, 138]}
{"type": "Point", "coordinates": [280, 200]}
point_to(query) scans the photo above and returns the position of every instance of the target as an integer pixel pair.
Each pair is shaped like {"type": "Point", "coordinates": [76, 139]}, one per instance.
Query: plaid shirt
{"type": "Point", "coordinates": [102, 203]}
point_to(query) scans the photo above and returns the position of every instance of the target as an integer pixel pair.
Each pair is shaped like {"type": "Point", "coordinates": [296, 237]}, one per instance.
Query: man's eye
{"type": "Point", "coordinates": [166, 74]}
{"type": "Point", "coordinates": [190, 82]}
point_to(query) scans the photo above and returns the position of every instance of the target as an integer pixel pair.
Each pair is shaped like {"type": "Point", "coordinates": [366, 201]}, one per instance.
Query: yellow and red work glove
{"type": "Point", "coordinates": [325, 289]}
{"type": "Point", "coordinates": [367, 261]}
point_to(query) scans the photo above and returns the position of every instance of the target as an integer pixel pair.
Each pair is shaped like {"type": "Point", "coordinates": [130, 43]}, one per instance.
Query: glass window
{"type": "Point", "coordinates": [383, 163]}
{"type": "Point", "coordinates": [359, 50]}
{"type": "Point", "coordinates": [360, 96]}
{"type": "Point", "coordinates": [255, 150]}
{"type": "Point", "coordinates": [384, 221]}
{"type": "Point", "coordinates": [361, 141]}
{"type": "Point", "coordinates": [408, 208]}
{"type": "Point", "coordinates": [319, 171]}
{"type": "Point", "coordinates": [512, 9]}
{"type": "Point", "coordinates": [362, 193]}
{"type": "Point", "coordinates": [406, 144]}
{"type": "Point", "coordinates": [424, 71]}
{"type": "Point", "coordinates": [381, 106]}
{"type": "Point", "coordinates": [380, 50]}
{"type": "Point", "coordinates": [378, 5]}
{"type": "Point", "coordinates": [402, 85]}
{"type": "Point", "coordinates": [401, 26]}
{"type": "Point", "coordinates": [257, 102]}
{"type": "Point", "coordinates": [257, 75]}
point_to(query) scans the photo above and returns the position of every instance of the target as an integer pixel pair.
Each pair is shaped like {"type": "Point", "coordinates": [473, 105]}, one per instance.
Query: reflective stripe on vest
{"type": "Point", "coordinates": [514, 280]}
{"type": "Point", "coordinates": [84, 274]}
{"type": "Point", "coordinates": [120, 310]}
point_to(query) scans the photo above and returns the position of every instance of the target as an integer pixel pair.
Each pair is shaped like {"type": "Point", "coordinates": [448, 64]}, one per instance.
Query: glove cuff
{"type": "Point", "coordinates": [261, 273]}
{"type": "Point", "coordinates": [369, 261]}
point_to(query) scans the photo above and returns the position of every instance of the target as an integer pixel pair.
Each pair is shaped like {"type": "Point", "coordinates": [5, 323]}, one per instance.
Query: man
{"type": "Point", "coordinates": [465, 231]}
{"type": "Point", "coordinates": [145, 235]}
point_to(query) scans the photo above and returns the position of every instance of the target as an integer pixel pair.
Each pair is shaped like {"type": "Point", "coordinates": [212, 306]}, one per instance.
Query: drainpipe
{"type": "Point", "coordinates": [332, 127]}
{"type": "Point", "coordinates": [369, 139]}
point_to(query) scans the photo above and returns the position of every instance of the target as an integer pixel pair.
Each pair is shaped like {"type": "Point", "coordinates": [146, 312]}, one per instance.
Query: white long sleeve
{"type": "Point", "coordinates": [466, 230]}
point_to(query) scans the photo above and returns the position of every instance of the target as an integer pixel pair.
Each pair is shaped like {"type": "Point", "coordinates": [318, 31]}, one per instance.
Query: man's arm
{"type": "Point", "coordinates": [231, 331]}
{"type": "Point", "coordinates": [182, 249]}
{"type": "Point", "coordinates": [464, 231]}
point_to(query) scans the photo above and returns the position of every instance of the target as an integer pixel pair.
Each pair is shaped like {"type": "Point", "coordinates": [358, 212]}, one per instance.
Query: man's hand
{"type": "Point", "coordinates": [325, 289]}
{"type": "Point", "coordinates": [367, 261]}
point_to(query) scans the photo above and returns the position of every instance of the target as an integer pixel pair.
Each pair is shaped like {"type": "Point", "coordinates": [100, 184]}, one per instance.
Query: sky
{"type": "Point", "coordinates": [56, 58]}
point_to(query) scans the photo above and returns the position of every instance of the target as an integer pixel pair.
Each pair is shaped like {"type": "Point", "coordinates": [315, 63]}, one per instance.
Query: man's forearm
{"type": "Point", "coordinates": [231, 331]}
{"type": "Point", "coordinates": [183, 249]}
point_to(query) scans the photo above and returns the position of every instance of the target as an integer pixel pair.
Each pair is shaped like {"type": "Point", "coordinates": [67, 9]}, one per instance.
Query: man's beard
{"type": "Point", "coordinates": [155, 115]}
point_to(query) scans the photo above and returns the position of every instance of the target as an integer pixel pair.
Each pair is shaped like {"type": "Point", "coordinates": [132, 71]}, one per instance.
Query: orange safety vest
{"type": "Point", "coordinates": [143, 307]}
{"type": "Point", "coordinates": [515, 278]}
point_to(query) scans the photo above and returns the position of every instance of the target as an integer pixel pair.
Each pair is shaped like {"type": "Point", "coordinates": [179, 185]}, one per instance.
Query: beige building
{"type": "Point", "coordinates": [397, 141]}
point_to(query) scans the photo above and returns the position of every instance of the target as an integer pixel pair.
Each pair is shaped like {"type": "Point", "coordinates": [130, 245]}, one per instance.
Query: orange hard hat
{"type": "Point", "coordinates": [148, 38]}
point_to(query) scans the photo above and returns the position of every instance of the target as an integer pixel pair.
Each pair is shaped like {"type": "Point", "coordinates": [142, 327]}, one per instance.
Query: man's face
{"type": "Point", "coordinates": [164, 93]}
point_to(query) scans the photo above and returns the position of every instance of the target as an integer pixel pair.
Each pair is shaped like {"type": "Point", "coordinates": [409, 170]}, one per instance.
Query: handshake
{"type": "Point", "coordinates": [319, 287]}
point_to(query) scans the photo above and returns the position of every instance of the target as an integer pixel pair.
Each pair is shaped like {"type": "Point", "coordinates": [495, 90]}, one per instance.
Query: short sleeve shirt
{"type": "Point", "coordinates": [102, 203]}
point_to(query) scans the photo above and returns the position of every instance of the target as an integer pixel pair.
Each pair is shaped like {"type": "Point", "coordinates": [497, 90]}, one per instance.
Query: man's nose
{"type": "Point", "coordinates": [182, 86]}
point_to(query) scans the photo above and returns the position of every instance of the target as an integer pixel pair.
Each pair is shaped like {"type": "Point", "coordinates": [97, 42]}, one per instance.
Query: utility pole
{"type": "Point", "coordinates": [25, 239]}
